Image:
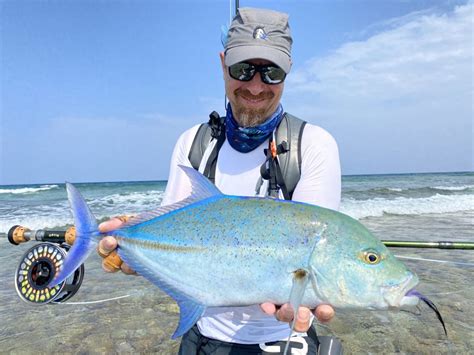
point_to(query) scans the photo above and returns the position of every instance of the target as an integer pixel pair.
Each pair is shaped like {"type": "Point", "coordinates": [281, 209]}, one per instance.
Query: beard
{"type": "Point", "coordinates": [250, 117]}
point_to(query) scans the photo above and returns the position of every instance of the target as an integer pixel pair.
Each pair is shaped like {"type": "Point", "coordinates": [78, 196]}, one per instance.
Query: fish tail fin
{"type": "Point", "coordinates": [87, 232]}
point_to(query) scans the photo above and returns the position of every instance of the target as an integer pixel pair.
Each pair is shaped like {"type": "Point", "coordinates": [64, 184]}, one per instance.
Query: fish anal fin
{"type": "Point", "coordinates": [190, 309]}
{"type": "Point", "coordinates": [189, 313]}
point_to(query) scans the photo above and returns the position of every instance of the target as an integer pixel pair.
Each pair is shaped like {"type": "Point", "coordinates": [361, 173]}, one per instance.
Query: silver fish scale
{"type": "Point", "coordinates": [216, 250]}
{"type": "Point", "coordinates": [212, 250]}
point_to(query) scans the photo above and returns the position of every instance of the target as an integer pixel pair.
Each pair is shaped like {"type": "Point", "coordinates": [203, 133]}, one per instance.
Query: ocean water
{"type": "Point", "coordinates": [118, 313]}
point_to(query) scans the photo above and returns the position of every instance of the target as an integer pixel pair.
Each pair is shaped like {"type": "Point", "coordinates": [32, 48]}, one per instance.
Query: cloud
{"type": "Point", "coordinates": [409, 86]}
{"type": "Point", "coordinates": [391, 23]}
{"type": "Point", "coordinates": [430, 49]}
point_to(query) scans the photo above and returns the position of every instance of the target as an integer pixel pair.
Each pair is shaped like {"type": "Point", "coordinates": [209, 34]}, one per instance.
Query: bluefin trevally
{"type": "Point", "coordinates": [213, 249]}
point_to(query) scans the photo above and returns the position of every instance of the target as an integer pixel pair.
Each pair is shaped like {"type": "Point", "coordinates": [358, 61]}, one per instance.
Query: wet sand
{"type": "Point", "coordinates": [145, 319]}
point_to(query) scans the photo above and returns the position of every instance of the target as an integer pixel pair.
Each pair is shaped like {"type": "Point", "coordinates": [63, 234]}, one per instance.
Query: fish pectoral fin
{"type": "Point", "coordinates": [300, 282]}
{"type": "Point", "coordinates": [189, 313]}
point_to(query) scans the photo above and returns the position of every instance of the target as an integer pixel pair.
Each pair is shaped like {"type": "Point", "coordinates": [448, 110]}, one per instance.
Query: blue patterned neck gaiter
{"type": "Point", "coordinates": [246, 139]}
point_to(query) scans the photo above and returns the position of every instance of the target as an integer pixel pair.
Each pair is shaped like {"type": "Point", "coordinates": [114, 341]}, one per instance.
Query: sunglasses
{"type": "Point", "coordinates": [270, 73]}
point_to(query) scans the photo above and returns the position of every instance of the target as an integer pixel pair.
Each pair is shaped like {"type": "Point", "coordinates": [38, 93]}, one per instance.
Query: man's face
{"type": "Point", "coordinates": [252, 102]}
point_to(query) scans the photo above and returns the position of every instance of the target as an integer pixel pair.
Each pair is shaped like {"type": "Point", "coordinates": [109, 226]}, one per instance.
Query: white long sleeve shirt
{"type": "Point", "coordinates": [237, 174]}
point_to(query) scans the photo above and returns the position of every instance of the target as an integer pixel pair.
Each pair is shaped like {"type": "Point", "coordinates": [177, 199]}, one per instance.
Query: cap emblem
{"type": "Point", "coordinates": [259, 33]}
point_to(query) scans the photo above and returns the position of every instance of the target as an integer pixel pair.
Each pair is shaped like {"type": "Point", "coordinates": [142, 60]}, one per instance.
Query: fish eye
{"type": "Point", "coordinates": [371, 258]}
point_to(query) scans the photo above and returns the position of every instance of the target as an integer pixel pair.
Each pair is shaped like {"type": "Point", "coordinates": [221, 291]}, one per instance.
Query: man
{"type": "Point", "coordinates": [255, 62]}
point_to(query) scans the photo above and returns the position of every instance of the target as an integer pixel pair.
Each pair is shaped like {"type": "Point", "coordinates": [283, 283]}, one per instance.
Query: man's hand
{"type": "Point", "coordinates": [324, 313]}
{"type": "Point", "coordinates": [107, 246]}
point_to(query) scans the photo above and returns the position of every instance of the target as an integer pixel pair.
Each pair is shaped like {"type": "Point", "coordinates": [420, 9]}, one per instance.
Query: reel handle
{"type": "Point", "coordinates": [19, 234]}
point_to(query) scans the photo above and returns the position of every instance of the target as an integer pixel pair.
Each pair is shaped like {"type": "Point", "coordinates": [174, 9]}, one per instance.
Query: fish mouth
{"type": "Point", "coordinates": [404, 294]}
{"type": "Point", "coordinates": [399, 295]}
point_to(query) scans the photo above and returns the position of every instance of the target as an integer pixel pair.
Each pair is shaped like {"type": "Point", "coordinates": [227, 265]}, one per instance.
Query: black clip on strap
{"type": "Point", "coordinates": [217, 132]}
{"type": "Point", "coordinates": [215, 122]}
{"type": "Point", "coordinates": [270, 170]}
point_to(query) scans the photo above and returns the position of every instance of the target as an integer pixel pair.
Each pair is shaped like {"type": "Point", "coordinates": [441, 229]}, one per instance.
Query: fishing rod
{"type": "Point", "coordinates": [18, 234]}
{"type": "Point", "coordinates": [40, 264]}
{"type": "Point", "coordinates": [224, 29]}
{"type": "Point", "coordinates": [429, 245]}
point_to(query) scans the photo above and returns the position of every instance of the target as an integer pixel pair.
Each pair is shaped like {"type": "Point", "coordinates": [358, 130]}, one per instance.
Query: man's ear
{"type": "Point", "coordinates": [224, 68]}
{"type": "Point", "coordinates": [222, 56]}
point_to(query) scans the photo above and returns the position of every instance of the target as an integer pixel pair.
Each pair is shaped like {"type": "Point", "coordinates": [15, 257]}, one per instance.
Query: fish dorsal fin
{"type": "Point", "coordinates": [146, 216]}
{"type": "Point", "coordinates": [201, 188]}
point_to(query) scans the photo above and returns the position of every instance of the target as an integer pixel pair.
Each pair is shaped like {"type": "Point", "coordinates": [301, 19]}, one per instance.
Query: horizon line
{"type": "Point", "coordinates": [146, 181]}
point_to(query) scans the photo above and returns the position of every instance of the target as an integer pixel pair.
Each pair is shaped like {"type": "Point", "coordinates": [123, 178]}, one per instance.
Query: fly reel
{"type": "Point", "coordinates": [41, 263]}
{"type": "Point", "coordinates": [37, 269]}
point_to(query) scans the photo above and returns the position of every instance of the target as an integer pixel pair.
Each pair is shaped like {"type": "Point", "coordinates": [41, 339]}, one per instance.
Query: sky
{"type": "Point", "coordinates": [100, 90]}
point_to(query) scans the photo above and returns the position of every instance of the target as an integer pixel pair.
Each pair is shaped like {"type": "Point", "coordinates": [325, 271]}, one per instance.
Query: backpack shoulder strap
{"type": "Point", "coordinates": [288, 136]}
{"type": "Point", "coordinates": [200, 143]}
{"type": "Point", "coordinates": [212, 131]}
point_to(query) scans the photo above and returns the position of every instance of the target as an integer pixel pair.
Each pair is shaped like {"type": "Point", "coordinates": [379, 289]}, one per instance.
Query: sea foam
{"type": "Point", "coordinates": [140, 200]}
{"type": "Point", "coordinates": [27, 190]}
{"type": "Point", "coordinates": [406, 206]}
{"type": "Point", "coordinates": [454, 188]}
{"type": "Point", "coordinates": [58, 215]}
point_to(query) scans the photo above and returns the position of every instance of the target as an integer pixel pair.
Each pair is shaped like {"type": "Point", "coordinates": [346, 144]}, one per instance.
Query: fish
{"type": "Point", "coordinates": [212, 250]}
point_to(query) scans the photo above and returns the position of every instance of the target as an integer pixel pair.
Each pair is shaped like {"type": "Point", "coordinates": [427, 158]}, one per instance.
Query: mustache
{"type": "Point", "coordinates": [248, 95]}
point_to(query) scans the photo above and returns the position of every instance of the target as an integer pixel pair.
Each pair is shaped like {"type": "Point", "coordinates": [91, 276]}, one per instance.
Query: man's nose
{"type": "Point", "coordinates": [256, 85]}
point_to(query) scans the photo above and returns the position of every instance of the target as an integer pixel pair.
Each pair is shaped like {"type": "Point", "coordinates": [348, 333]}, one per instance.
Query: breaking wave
{"type": "Point", "coordinates": [454, 188]}
{"type": "Point", "coordinates": [140, 200]}
{"type": "Point", "coordinates": [57, 214]}
{"type": "Point", "coordinates": [407, 206]}
{"type": "Point", "coordinates": [27, 190]}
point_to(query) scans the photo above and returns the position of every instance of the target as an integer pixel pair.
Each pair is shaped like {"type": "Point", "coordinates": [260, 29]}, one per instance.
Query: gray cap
{"type": "Point", "coordinates": [259, 33]}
